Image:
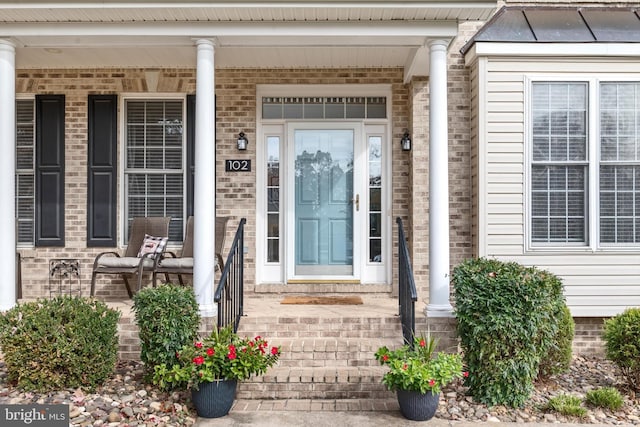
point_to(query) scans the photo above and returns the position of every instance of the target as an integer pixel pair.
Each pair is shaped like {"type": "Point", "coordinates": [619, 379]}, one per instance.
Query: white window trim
{"type": "Point", "coordinates": [122, 196]}
{"type": "Point", "coordinates": [593, 157]}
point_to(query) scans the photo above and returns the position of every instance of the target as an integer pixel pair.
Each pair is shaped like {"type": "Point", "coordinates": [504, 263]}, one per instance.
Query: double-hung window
{"type": "Point", "coordinates": [154, 161]}
{"type": "Point", "coordinates": [584, 164]}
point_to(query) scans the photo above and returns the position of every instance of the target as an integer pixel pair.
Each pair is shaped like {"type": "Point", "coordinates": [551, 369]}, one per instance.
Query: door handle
{"type": "Point", "coordinates": [357, 202]}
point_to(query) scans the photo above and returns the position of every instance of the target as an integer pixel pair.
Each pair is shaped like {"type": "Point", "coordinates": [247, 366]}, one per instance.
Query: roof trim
{"type": "Point", "coordinates": [544, 24]}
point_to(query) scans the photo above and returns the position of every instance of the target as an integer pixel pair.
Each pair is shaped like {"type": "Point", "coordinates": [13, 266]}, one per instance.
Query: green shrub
{"type": "Point", "coordinates": [507, 321]}
{"type": "Point", "coordinates": [567, 405]}
{"type": "Point", "coordinates": [606, 397]}
{"type": "Point", "coordinates": [59, 343]}
{"type": "Point", "coordinates": [558, 358]}
{"type": "Point", "coordinates": [622, 344]}
{"type": "Point", "coordinates": [167, 317]}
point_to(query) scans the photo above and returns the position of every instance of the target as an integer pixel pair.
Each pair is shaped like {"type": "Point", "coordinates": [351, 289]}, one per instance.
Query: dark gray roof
{"type": "Point", "coordinates": [560, 25]}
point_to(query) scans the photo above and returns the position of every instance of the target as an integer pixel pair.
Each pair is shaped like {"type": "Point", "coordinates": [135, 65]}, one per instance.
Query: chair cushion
{"type": "Point", "coordinates": [152, 245]}
{"type": "Point", "coordinates": [123, 262]}
{"type": "Point", "coordinates": [176, 263]}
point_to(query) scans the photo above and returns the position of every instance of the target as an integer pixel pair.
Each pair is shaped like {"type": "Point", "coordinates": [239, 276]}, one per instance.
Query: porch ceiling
{"type": "Point", "coordinates": [264, 34]}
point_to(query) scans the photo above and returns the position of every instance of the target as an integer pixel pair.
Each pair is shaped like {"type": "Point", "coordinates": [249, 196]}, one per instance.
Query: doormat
{"type": "Point", "coordinates": [330, 300]}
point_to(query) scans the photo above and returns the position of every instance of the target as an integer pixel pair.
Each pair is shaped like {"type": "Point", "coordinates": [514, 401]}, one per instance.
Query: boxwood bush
{"type": "Point", "coordinates": [507, 320]}
{"type": "Point", "coordinates": [167, 317]}
{"type": "Point", "coordinates": [622, 344]}
{"type": "Point", "coordinates": [558, 357]}
{"type": "Point", "coordinates": [52, 344]}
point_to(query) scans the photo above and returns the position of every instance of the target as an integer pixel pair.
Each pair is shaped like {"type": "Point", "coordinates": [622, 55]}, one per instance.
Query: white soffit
{"type": "Point", "coordinates": [256, 10]}
{"type": "Point", "coordinates": [257, 34]}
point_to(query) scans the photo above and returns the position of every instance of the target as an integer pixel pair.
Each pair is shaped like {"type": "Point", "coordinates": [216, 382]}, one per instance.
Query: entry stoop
{"type": "Point", "coordinates": [327, 353]}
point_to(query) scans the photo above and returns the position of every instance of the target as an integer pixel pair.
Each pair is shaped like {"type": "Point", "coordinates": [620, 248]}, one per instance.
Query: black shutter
{"type": "Point", "coordinates": [102, 171]}
{"type": "Point", "coordinates": [191, 145]}
{"type": "Point", "coordinates": [49, 170]}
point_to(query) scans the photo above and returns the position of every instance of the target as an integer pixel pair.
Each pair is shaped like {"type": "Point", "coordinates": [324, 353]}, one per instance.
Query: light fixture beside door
{"type": "Point", "coordinates": [243, 142]}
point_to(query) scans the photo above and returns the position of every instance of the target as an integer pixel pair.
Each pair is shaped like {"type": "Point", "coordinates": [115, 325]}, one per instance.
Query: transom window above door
{"type": "Point", "coordinates": [334, 107]}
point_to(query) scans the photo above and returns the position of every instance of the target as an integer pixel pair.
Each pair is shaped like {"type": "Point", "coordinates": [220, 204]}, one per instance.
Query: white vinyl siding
{"type": "Point", "coordinates": [598, 280]}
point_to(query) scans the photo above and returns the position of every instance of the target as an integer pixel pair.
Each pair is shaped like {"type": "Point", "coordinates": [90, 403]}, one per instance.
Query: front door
{"type": "Point", "coordinates": [325, 206]}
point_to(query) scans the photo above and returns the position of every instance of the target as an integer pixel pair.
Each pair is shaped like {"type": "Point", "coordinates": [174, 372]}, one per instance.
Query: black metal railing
{"type": "Point", "coordinates": [407, 294]}
{"type": "Point", "coordinates": [229, 293]}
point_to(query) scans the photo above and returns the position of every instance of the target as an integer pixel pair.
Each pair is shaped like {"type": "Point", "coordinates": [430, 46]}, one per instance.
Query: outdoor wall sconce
{"type": "Point", "coordinates": [406, 142]}
{"type": "Point", "coordinates": [242, 141]}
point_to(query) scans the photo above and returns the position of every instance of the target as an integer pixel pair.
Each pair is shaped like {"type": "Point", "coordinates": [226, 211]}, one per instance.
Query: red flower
{"type": "Point", "coordinates": [432, 383]}
{"type": "Point", "coordinates": [198, 360]}
{"type": "Point", "coordinates": [404, 367]}
{"type": "Point", "coordinates": [251, 344]}
{"type": "Point", "coordinates": [385, 357]}
{"type": "Point", "coordinates": [210, 351]}
{"type": "Point", "coordinates": [232, 348]}
{"type": "Point", "coordinates": [422, 343]}
{"type": "Point", "coordinates": [274, 350]}
{"type": "Point", "coordinates": [232, 355]}
{"type": "Point", "coordinates": [177, 355]}
{"type": "Point", "coordinates": [465, 374]}
{"type": "Point", "coordinates": [198, 344]}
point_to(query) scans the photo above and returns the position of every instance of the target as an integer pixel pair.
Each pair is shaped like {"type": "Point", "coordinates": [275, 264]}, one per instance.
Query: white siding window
{"type": "Point", "coordinates": [620, 163]}
{"type": "Point", "coordinates": [559, 163]}
{"type": "Point", "coordinates": [562, 160]}
{"type": "Point", "coordinates": [154, 161]}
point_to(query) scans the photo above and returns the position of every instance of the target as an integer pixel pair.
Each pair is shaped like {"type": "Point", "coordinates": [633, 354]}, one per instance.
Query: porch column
{"type": "Point", "coordinates": [204, 209]}
{"type": "Point", "coordinates": [439, 305]}
{"type": "Point", "coordinates": [8, 173]}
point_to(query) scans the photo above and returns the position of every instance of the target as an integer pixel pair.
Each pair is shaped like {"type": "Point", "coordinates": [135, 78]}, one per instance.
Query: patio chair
{"type": "Point", "coordinates": [170, 263]}
{"type": "Point", "coordinates": [147, 241]}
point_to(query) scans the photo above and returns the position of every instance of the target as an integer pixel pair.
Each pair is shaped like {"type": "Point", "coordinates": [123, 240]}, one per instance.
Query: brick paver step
{"type": "Point", "coordinates": [315, 383]}
{"type": "Point", "coordinates": [388, 403]}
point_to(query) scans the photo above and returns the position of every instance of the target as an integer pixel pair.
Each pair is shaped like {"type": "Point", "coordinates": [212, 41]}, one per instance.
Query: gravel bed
{"type": "Point", "coordinates": [126, 401]}
{"type": "Point", "coordinates": [585, 374]}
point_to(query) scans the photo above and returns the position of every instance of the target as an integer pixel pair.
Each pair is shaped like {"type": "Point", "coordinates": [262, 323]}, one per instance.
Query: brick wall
{"type": "Point", "coordinates": [587, 338]}
{"type": "Point", "coordinates": [588, 335]}
{"type": "Point", "coordinates": [235, 110]}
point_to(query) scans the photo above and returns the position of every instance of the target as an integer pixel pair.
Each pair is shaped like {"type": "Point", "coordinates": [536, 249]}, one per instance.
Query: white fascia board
{"type": "Point", "coordinates": [360, 30]}
{"type": "Point", "coordinates": [117, 4]}
{"type": "Point", "coordinates": [551, 50]}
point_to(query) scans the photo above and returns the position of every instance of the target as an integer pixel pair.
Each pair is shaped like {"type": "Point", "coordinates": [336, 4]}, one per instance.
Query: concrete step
{"type": "Point", "coordinates": [316, 383]}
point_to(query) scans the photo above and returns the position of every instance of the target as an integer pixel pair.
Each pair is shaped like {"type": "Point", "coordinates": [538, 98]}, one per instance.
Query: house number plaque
{"type": "Point", "coordinates": [237, 166]}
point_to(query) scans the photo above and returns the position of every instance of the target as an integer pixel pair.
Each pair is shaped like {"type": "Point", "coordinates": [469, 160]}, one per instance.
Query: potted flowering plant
{"type": "Point", "coordinates": [214, 365]}
{"type": "Point", "coordinates": [417, 376]}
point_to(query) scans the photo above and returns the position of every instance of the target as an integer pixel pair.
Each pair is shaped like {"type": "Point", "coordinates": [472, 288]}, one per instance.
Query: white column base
{"type": "Point", "coordinates": [208, 310]}
{"type": "Point", "coordinates": [439, 310]}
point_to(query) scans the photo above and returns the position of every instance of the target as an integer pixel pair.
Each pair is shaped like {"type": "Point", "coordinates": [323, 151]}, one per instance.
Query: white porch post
{"type": "Point", "coordinates": [204, 181]}
{"type": "Point", "coordinates": [439, 305]}
{"type": "Point", "coordinates": [7, 173]}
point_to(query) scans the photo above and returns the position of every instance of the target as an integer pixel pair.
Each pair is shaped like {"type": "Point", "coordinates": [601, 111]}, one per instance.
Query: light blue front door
{"type": "Point", "coordinates": [324, 166]}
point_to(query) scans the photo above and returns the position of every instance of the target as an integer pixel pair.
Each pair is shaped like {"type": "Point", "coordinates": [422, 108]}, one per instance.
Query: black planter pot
{"type": "Point", "coordinates": [213, 400]}
{"type": "Point", "coordinates": [418, 406]}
